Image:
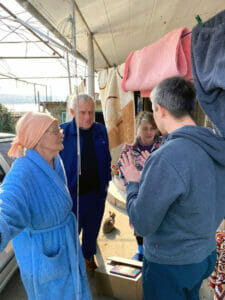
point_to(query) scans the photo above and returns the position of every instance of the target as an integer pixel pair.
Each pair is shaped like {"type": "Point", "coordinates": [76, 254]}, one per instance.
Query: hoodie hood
{"type": "Point", "coordinates": [213, 144]}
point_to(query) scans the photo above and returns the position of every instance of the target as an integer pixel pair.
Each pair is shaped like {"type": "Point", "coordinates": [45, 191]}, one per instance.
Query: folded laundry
{"type": "Point", "coordinates": [170, 56]}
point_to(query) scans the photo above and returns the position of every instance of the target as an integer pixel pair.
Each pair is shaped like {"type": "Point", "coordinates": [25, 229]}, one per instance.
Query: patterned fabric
{"type": "Point", "coordinates": [217, 279]}
{"type": "Point", "coordinates": [135, 151]}
{"type": "Point", "coordinates": [118, 109]}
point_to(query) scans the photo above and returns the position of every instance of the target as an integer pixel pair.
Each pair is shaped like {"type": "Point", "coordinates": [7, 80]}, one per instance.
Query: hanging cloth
{"type": "Point", "coordinates": [170, 56]}
{"type": "Point", "coordinates": [208, 65]}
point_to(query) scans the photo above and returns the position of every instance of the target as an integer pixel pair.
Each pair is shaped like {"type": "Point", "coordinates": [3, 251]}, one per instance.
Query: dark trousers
{"type": "Point", "coordinates": [175, 282]}
{"type": "Point", "coordinates": [139, 240]}
{"type": "Point", "coordinates": [91, 210]}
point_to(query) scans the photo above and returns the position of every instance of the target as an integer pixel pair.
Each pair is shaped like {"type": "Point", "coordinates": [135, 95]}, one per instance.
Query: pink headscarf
{"type": "Point", "coordinates": [29, 129]}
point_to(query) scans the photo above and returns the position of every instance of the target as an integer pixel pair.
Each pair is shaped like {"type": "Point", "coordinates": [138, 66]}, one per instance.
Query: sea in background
{"type": "Point", "coordinates": [24, 103]}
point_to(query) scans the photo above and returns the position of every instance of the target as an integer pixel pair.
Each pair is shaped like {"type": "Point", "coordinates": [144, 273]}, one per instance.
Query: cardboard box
{"type": "Point", "coordinates": [119, 286]}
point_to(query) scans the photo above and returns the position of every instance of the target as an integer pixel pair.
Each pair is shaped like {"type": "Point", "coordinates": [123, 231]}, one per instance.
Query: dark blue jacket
{"type": "Point", "coordinates": [69, 155]}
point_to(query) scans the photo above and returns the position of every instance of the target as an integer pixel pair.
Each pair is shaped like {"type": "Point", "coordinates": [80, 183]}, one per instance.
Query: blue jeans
{"type": "Point", "coordinates": [175, 282]}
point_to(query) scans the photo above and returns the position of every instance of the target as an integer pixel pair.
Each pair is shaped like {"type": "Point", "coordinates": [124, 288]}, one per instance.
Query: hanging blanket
{"type": "Point", "coordinates": [170, 56]}
{"type": "Point", "coordinates": [217, 279]}
{"type": "Point", "coordinates": [208, 65]}
{"type": "Point", "coordinates": [118, 110]}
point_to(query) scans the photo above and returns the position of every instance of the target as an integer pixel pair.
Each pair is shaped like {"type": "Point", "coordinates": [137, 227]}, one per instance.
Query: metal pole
{"type": "Point", "coordinates": [73, 30]}
{"type": "Point", "coordinates": [28, 28]}
{"type": "Point", "coordinates": [90, 50]}
{"type": "Point", "coordinates": [35, 99]}
{"type": "Point", "coordinates": [46, 93]}
{"type": "Point", "coordinates": [34, 12]}
{"type": "Point", "coordinates": [38, 98]}
{"type": "Point", "coordinates": [89, 31]}
{"type": "Point", "coordinates": [68, 69]}
{"type": "Point", "coordinates": [18, 79]}
{"type": "Point", "coordinates": [30, 57]}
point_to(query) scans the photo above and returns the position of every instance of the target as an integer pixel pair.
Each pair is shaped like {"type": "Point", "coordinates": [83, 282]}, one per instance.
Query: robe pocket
{"type": "Point", "coordinates": [53, 267]}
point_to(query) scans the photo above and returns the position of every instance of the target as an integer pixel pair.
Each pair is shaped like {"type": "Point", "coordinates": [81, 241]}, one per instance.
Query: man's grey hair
{"type": "Point", "coordinates": [81, 97]}
{"type": "Point", "coordinates": [177, 95]}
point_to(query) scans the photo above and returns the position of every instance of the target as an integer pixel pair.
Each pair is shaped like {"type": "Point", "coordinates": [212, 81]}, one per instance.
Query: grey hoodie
{"type": "Point", "coordinates": [180, 200]}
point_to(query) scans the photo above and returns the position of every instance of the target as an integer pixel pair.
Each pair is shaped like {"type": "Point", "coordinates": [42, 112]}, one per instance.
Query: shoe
{"type": "Point", "coordinates": [90, 264]}
{"type": "Point", "coordinates": [138, 256]}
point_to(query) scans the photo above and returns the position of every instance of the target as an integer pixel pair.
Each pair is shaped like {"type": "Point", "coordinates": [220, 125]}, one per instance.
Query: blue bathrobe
{"type": "Point", "coordinates": [35, 210]}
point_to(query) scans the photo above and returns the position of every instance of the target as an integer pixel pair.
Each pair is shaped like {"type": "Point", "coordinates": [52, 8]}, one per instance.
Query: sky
{"type": "Point", "coordinates": [23, 68]}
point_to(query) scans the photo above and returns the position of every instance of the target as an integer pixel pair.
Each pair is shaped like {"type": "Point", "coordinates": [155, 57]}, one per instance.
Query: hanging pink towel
{"type": "Point", "coordinates": [170, 56]}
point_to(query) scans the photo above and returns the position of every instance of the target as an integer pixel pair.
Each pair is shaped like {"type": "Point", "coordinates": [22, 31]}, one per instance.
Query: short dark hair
{"type": "Point", "coordinates": [177, 95]}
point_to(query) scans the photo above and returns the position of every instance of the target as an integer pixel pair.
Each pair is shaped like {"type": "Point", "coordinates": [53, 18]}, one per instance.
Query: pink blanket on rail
{"type": "Point", "coordinates": [170, 56]}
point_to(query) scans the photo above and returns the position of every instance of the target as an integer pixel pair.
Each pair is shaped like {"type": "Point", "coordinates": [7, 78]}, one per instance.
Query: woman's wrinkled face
{"type": "Point", "coordinates": [146, 133]}
{"type": "Point", "coordinates": [52, 139]}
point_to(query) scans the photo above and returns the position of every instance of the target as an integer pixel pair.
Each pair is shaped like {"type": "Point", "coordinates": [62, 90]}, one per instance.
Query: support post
{"type": "Point", "coordinates": [35, 97]}
{"type": "Point", "coordinates": [46, 93]}
{"type": "Point", "coordinates": [38, 99]}
{"type": "Point", "coordinates": [90, 51]}
{"type": "Point", "coordinates": [68, 70]}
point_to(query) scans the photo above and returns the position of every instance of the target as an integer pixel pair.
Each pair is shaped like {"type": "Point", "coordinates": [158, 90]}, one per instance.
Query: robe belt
{"type": "Point", "coordinates": [52, 228]}
{"type": "Point", "coordinates": [74, 252]}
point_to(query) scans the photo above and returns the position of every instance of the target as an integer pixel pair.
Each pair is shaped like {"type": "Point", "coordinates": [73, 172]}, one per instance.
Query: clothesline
{"type": "Point", "coordinates": [186, 34]}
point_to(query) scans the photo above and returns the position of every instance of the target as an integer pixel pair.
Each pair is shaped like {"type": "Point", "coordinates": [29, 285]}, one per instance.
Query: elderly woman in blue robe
{"type": "Point", "coordinates": [35, 211]}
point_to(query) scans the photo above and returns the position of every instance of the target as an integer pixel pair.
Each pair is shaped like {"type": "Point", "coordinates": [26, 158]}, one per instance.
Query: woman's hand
{"type": "Point", "coordinates": [145, 154]}
{"type": "Point", "coordinates": [128, 168]}
{"type": "Point", "coordinates": [142, 159]}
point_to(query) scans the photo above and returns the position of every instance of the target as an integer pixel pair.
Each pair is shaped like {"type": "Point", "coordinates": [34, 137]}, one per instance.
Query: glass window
{"type": "Point", "coordinates": [63, 116]}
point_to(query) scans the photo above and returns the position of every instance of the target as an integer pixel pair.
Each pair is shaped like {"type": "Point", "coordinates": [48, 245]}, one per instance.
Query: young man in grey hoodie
{"type": "Point", "coordinates": [178, 201]}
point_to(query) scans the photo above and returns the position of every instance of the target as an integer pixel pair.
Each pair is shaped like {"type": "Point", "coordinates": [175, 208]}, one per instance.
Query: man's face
{"type": "Point", "coordinates": [86, 112]}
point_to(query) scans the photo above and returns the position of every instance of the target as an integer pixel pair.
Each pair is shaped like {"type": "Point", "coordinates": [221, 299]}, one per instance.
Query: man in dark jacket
{"type": "Point", "coordinates": [94, 176]}
{"type": "Point", "coordinates": [179, 202]}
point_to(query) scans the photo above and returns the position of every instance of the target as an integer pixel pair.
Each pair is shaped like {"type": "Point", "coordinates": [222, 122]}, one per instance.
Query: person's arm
{"type": "Point", "coordinates": [149, 200]}
{"type": "Point", "coordinates": [14, 209]}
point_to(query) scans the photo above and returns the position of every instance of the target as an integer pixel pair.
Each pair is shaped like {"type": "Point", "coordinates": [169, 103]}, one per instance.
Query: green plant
{"type": "Point", "coordinates": [7, 121]}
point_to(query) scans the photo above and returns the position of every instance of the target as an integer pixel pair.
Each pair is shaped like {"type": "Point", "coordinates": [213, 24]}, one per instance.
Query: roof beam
{"type": "Point", "coordinates": [91, 33]}
{"type": "Point", "coordinates": [44, 77]}
{"type": "Point", "coordinates": [34, 12]}
{"type": "Point", "coordinates": [30, 57]}
{"type": "Point", "coordinates": [18, 79]}
{"type": "Point", "coordinates": [29, 29]}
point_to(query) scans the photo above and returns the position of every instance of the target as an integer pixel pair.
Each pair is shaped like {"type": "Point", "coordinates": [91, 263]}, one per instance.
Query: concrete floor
{"type": "Point", "coordinates": [120, 242]}
{"type": "Point", "coordinates": [15, 290]}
